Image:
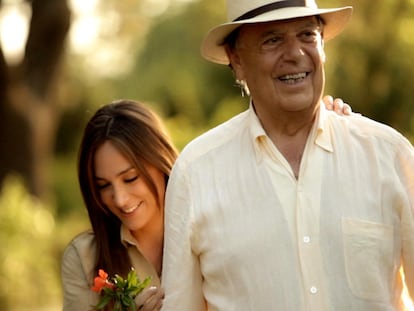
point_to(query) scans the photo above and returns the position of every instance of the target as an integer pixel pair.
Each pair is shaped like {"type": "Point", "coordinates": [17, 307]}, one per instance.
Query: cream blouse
{"type": "Point", "coordinates": [77, 269]}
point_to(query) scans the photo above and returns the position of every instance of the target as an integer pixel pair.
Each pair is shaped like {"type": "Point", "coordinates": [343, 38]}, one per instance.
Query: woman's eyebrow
{"type": "Point", "coordinates": [118, 174]}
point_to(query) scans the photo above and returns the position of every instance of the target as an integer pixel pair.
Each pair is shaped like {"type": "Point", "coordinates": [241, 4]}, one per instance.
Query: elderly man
{"type": "Point", "coordinates": [253, 221]}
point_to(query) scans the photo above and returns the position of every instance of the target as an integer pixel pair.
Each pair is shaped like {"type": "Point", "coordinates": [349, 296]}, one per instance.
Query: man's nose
{"type": "Point", "coordinates": [292, 48]}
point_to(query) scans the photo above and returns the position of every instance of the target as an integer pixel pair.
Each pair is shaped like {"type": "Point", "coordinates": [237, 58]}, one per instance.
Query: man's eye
{"type": "Point", "coordinates": [271, 43]}
{"type": "Point", "coordinates": [310, 34]}
{"type": "Point", "coordinates": [272, 40]}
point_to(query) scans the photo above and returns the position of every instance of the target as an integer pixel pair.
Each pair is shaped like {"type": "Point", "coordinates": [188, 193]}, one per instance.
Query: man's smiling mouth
{"type": "Point", "coordinates": [294, 78]}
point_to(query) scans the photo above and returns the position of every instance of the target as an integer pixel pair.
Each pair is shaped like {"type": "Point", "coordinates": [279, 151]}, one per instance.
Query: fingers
{"type": "Point", "coordinates": [341, 108]}
{"type": "Point", "coordinates": [150, 299]}
{"type": "Point", "coordinates": [328, 101]}
{"type": "Point", "coordinates": [347, 110]}
{"type": "Point", "coordinates": [337, 105]}
{"type": "Point", "coordinates": [145, 294]}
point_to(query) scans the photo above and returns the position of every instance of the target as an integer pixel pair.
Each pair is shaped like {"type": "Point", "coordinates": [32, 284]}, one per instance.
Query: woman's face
{"type": "Point", "coordinates": [123, 190]}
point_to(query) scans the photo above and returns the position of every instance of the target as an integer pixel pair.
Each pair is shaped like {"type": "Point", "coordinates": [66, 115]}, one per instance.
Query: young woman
{"type": "Point", "coordinates": [124, 162]}
{"type": "Point", "coordinates": [125, 159]}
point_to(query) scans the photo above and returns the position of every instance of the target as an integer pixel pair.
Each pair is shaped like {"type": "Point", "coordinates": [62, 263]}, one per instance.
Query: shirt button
{"type": "Point", "coordinates": [306, 239]}
{"type": "Point", "coordinates": [313, 290]}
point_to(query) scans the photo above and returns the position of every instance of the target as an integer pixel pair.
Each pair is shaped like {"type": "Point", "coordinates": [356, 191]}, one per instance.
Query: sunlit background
{"type": "Point", "coordinates": [149, 50]}
{"type": "Point", "coordinates": [92, 23]}
{"type": "Point", "coordinates": [14, 15]}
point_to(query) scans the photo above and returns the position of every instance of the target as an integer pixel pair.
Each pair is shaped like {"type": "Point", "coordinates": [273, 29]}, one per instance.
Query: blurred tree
{"type": "Point", "coordinates": [30, 97]}
{"type": "Point", "coordinates": [371, 65]}
{"type": "Point", "coordinates": [27, 263]}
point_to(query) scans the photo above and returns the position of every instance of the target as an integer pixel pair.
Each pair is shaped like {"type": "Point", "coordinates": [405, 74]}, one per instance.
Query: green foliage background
{"type": "Point", "coordinates": [370, 66]}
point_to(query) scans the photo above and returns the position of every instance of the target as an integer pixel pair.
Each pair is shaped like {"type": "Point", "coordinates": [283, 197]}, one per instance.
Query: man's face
{"type": "Point", "coordinates": [282, 63]}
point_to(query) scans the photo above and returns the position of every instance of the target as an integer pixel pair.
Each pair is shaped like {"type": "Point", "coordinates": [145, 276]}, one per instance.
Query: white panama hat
{"type": "Point", "coordinates": [241, 12]}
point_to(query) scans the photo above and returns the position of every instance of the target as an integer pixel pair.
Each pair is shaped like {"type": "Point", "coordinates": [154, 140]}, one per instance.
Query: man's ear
{"type": "Point", "coordinates": [235, 64]}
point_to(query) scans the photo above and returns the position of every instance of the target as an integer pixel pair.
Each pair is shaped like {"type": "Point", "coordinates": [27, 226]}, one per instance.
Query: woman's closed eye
{"type": "Point", "coordinates": [125, 177]}
{"type": "Point", "coordinates": [131, 179]}
{"type": "Point", "coordinates": [101, 185]}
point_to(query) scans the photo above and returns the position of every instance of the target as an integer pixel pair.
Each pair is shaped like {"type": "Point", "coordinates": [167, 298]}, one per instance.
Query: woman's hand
{"type": "Point", "coordinates": [150, 299]}
{"type": "Point", "coordinates": [337, 105]}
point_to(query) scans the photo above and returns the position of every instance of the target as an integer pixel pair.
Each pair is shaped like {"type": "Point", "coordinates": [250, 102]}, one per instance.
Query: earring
{"type": "Point", "coordinates": [243, 87]}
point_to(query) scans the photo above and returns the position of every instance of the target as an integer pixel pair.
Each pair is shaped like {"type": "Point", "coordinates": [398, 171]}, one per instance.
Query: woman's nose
{"type": "Point", "coordinates": [120, 196]}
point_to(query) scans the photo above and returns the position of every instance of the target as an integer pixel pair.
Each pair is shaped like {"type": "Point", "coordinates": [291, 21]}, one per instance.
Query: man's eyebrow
{"type": "Point", "coordinates": [314, 21]}
{"type": "Point", "coordinates": [271, 32]}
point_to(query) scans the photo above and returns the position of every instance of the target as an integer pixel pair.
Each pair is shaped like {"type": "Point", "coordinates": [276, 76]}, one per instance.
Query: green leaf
{"type": "Point", "coordinates": [127, 301]}
{"type": "Point", "coordinates": [103, 302]}
{"type": "Point", "coordinates": [117, 306]}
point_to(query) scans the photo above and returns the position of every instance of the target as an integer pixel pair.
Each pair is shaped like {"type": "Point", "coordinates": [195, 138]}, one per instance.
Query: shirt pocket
{"type": "Point", "coordinates": [368, 250]}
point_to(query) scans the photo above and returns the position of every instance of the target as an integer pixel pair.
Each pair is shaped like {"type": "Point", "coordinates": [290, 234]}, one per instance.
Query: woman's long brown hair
{"type": "Point", "coordinates": [139, 135]}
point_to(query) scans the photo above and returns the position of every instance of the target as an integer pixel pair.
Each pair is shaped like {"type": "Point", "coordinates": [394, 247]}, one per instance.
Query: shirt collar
{"type": "Point", "coordinates": [320, 133]}
{"type": "Point", "coordinates": [127, 238]}
{"type": "Point", "coordinates": [257, 133]}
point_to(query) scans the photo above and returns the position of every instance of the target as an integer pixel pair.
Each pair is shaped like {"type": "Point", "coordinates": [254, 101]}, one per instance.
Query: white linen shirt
{"type": "Point", "coordinates": [242, 233]}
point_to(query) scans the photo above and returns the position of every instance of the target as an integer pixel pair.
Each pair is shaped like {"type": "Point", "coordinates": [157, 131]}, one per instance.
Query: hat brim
{"type": "Point", "coordinates": [212, 47]}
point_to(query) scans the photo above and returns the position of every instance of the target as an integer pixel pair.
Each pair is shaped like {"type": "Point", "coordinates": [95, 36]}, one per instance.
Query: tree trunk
{"type": "Point", "coordinates": [30, 107]}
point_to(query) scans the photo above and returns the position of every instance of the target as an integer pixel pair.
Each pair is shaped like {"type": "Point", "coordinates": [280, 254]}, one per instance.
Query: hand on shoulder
{"type": "Point", "coordinates": [337, 105]}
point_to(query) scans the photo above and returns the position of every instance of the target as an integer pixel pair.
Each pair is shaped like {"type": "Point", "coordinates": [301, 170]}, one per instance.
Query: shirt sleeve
{"type": "Point", "coordinates": [77, 293]}
{"type": "Point", "coordinates": [181, 275]}
{"type": "Point", "coordinates": [406, 160]}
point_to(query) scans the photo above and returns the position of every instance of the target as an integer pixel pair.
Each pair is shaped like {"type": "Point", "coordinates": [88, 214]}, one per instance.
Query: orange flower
{"type": "Point", "coordinates": [101, 281]}
{"type": "Point", "coordinates": [118, 291]}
